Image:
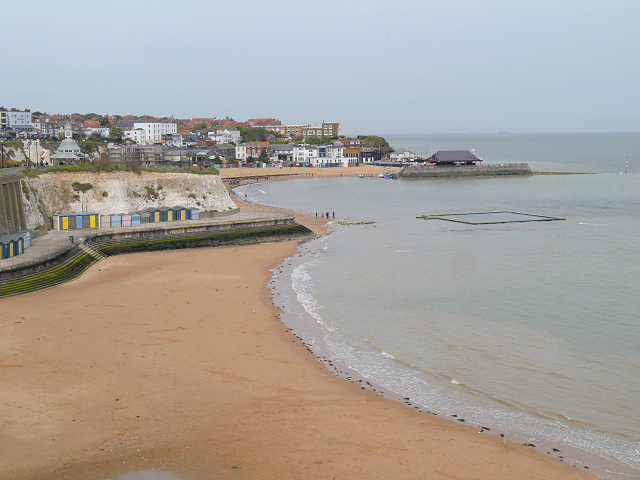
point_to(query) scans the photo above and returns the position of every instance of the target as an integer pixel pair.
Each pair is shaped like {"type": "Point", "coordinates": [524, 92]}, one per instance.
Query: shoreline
{"type": "Point", "coordinates": [158, 361]}
{"type": "Point", "coordinates": [599, 466]}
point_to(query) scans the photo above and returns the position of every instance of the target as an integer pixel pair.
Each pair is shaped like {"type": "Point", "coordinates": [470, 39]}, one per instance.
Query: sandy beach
{"type": "Point", "coordinates": [178, 361]}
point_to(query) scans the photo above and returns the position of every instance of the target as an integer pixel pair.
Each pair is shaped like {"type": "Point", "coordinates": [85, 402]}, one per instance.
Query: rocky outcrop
{"type": "Point", "coordinates": [111, 193]}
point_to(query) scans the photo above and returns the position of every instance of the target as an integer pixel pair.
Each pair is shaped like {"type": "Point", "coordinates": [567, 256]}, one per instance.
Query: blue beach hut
{"type": "Point", "coordinates": [135, 220]}
{"type": "Point", "coordinates": [116, 220]}
{"type": "Point", "coordinates": [194, 214]}
{"type": "Point", "coordinates": [155, 214]}
{"type": "Point", "coordinates": [12, 245]}
{"type": "Point", "coordinates": [4, 247]}
{"type": "Point", "coordinates": [182, 213]}
{"type": "Point", "coordinates": [168, 215]}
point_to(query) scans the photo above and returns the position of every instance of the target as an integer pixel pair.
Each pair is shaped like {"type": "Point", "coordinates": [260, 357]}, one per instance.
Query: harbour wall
{"type": "Point", "coordinates": [419, 171]}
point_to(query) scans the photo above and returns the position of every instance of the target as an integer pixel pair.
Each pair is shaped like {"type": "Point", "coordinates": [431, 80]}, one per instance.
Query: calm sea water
{"type": "Point", "coordinates": [529, 327]}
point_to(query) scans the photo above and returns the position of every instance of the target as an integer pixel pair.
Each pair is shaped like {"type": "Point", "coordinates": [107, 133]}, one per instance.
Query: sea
{"type": "Point", "coordinates": [529, 328]}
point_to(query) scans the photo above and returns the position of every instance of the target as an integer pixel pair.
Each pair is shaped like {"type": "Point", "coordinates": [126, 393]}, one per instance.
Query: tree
{"type": "Point", "coordinates": [117, 134]}
{"type": "Point", "coordinates": [254, 134]}
{"type": "Point", "coordinates": [264, 157]}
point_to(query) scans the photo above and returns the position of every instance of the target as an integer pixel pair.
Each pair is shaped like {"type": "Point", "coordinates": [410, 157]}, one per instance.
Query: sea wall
{"type": "Point", "coordinates": [112, 193]}
{"type": "Point", "coordinates": [416, 172]}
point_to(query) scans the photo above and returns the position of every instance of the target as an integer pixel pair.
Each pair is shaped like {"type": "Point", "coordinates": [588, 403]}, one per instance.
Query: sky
{"type": "Point", "coordinates": [374, 66]}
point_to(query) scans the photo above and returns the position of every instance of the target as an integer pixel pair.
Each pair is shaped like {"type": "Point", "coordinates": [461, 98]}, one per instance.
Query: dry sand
{"type": "Point", "coordinates": [178, 361]}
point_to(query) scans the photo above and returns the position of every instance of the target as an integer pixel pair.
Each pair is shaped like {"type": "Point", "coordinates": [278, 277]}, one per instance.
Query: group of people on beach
{"type": "Point", "coordinates": [322, 214]}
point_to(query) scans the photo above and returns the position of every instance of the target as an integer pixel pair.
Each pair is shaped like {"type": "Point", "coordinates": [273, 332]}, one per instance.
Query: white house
{"type": "Point", "coordinates": [155, 130]}
{"type": "Point", "coordinates": [403, 155]}
{"type": "Point", "coordinates": [138, 135]}
{"type": "Point", "coordinates": [103, 132]}
{"type": "Point", "coordinates": [225, 136]}
{"type": "Point", "coordinates": [18, 120]}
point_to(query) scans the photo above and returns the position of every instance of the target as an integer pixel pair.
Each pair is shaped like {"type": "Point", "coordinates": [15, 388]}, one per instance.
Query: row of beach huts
{"type": "Point", "coordinates": [18, 242]}
{"type": "Point", "coordinates": [14, 244]}
{"type": "Point", "coordinates": [76, 221]}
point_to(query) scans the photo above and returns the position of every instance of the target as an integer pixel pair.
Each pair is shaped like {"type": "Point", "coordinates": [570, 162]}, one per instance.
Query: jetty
{"type": "Point", "coordinates": [459, 163]}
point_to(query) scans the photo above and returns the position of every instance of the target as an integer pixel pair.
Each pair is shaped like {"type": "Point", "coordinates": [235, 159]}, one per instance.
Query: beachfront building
{"type": "Point", "coordinates": [281, 153]}
{"type": "Point", "coordinates": [152, 132]}
{"type": "Point", "coordinates": [370, 155]}
{"type": "Point", "coordinates": [453, 158]}
{"type": "Point", "coordinates": [330, 154]}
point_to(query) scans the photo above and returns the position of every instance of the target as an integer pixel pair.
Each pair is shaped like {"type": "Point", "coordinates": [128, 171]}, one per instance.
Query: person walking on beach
{"type": "Point", "coordinates": [333, 214]}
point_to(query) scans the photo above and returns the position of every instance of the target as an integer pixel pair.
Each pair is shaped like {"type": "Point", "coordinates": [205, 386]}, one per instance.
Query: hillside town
{"type": "Point", "coordinates": [40, 139]}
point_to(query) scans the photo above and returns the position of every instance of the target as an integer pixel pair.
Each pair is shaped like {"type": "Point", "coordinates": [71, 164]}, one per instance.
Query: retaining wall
{"type": "Point", "coordinates": [12, 217]}
{"type": "Point", "coordinates": [414, 172]}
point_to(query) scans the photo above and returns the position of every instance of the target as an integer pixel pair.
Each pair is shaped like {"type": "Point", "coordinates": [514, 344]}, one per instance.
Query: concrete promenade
{"type": "Point", "coordinates": [58, 241]}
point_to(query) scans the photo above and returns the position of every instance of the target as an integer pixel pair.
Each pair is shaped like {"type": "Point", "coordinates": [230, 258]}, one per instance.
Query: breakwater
{"type": "Point", "coordinates": [427, 171]}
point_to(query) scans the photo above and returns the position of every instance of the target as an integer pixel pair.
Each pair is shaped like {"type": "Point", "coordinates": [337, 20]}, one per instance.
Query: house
{"type": "Point", "coordinates": [225, 136]}
{"type": "Point", "coordinates": [328, 129]}
{"type": "Point", "coordinates": [287, 131]}
{"type": "Point", "coordinates": [251, 149]}
{"type": "Point", "coordinates": [225, 151]}
{"type": "Point", "coordinates": [17, 120]}
{"type": "Point", "coordinates": [454, 158]}
{"type": "Point", "coordinates": [280, 152]}
{"type": "Point", "coordinates": [370, 155]}
{"type": "Point", "coordinates": [330, 154]}
{"type": "Point", "coordinates": [262, 122]}
{"type": "Point", "coordinates": [403, 155]}
{"type": "Point", "coordinates": [349, 142]}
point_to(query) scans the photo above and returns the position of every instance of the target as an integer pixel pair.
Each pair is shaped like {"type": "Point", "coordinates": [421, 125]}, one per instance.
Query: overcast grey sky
{"type": "Point", "coordinates": [374, 66]}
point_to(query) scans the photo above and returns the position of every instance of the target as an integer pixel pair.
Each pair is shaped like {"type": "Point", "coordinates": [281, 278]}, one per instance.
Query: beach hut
{"type": "Point", "coordinates": [144, 216]}
{"type": "Point", "coordinates": [182, 213]}
{"type": "Point", "coordinates": [12, 245]}
{"type": "Point", "coordinates": [155, 214]}
{"type": "Point", "coordinates": [194, 214]}
{"type": "Point", "coordinates": [105, 221]}
{"type": "Point", "coordinates": [4, 247]}
{"type": "Point", "coordinates": [126, 220]}
{"type": "Point", "coordinates": [168, 215]}
{"type": "Point", "coordinates": [135, 220]}
{"type": "Point", "coordinates": [90, 220]}
{"type": "Point", "coordinates": [116, 220]}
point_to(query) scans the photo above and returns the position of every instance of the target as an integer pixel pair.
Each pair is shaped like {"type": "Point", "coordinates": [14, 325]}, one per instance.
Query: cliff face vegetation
{"type": "Point", "coordinates": [112, 193]}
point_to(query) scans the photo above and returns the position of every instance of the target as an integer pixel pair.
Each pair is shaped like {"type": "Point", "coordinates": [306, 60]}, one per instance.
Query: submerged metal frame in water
{"type": "Point", "coordinates": [531, 218]}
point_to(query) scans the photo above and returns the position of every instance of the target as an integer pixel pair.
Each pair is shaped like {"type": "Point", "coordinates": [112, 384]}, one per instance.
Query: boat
{"type": "Point", "coordinates": [361, 176]}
